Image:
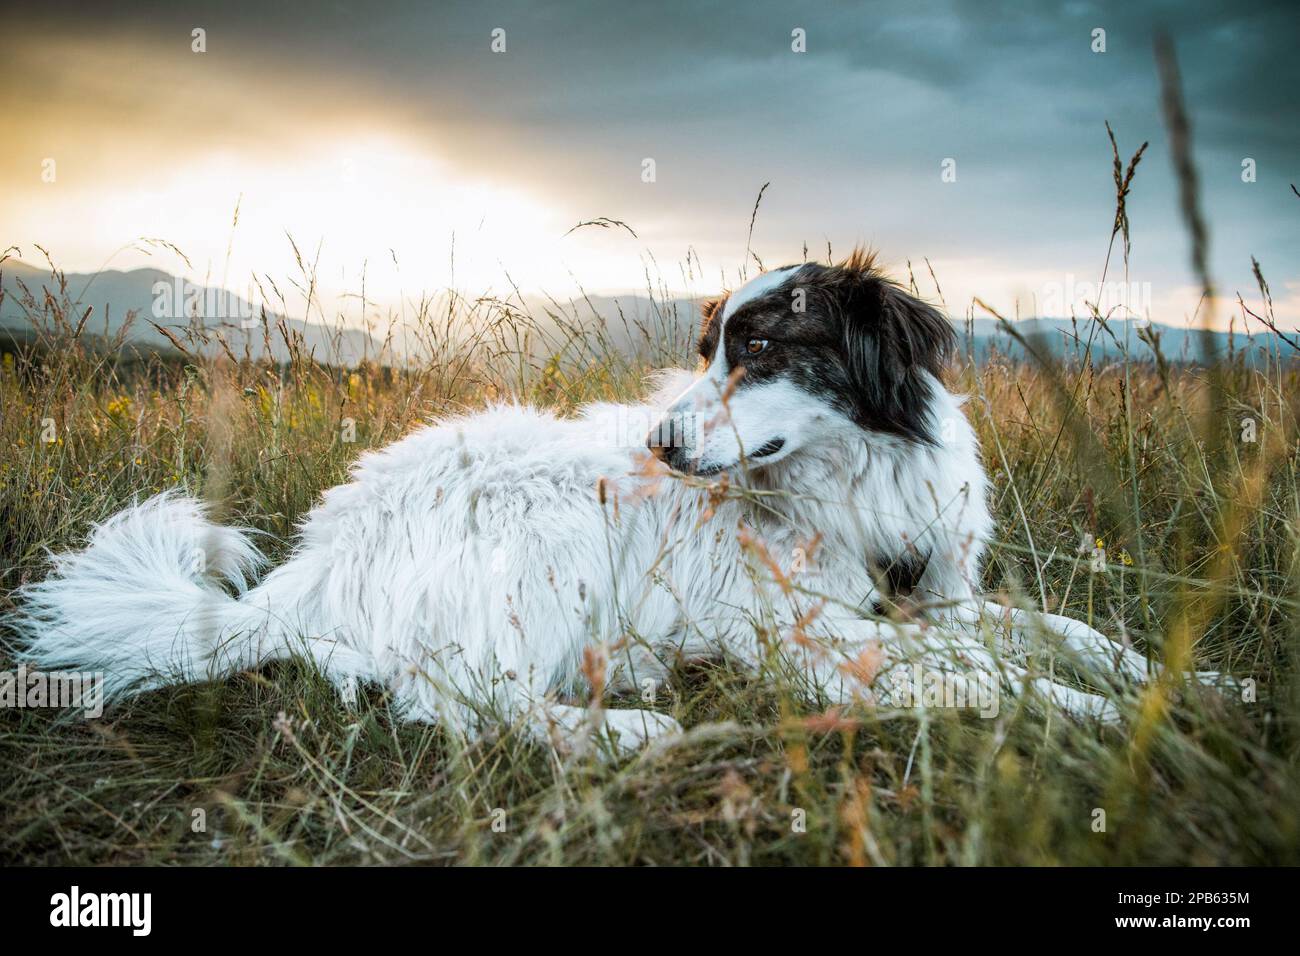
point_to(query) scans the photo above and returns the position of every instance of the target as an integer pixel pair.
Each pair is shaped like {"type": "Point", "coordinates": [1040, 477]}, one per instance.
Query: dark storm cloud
{"type": "Point", "coordinates": [1238, 58]}
{"type": "Point", "coordinates": [851, 133]}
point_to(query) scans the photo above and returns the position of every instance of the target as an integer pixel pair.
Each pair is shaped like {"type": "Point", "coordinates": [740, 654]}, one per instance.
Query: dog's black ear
{"type": "Point", "coordinates": [895, 344]}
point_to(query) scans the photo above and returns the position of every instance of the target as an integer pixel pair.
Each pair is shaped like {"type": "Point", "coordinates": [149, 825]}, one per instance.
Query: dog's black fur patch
{"type": "Point", "coordinates": [861, 342]}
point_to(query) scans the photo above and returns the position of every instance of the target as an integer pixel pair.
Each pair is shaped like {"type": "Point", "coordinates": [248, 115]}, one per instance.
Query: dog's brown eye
{"type": "Point", "coordinates": [755, 346]}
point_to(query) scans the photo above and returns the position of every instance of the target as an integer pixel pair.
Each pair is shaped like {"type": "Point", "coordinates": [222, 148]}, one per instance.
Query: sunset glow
{"type": "Point", "coordinates": [381, 162]}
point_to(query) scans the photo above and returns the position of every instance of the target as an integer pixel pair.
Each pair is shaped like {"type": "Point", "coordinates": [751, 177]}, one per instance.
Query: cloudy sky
{"type": "Point", "coordinates": [380, 136]}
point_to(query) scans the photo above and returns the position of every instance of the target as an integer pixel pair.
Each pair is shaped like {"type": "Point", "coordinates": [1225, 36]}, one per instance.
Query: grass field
{"type": "Point", "coordinates": [1184, 479]}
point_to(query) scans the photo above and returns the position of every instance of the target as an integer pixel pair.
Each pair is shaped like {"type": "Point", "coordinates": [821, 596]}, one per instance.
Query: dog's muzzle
{"type": "Point", "coordinates": [669, 440]}
{"type": "Point", "coordinates": [665, 452]}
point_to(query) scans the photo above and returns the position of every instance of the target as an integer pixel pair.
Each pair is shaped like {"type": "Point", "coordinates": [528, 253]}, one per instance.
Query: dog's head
{"type": "Point", "coordinates": [799, 354]}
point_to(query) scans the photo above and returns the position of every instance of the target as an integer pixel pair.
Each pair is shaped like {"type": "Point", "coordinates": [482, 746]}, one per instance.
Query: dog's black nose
{"type": "Point", "coordinates": [670, 439]}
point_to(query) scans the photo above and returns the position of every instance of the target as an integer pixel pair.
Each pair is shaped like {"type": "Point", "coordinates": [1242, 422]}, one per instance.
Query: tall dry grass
{"type": "Point", "coordinates": [1142, 459]}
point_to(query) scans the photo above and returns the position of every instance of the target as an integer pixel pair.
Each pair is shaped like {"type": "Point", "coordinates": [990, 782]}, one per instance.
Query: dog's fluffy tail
{"type": "Point", "coordinates": [149, 602]}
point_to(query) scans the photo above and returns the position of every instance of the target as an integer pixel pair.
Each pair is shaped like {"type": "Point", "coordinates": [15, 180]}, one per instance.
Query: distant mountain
{"type": "Point", "coordinates": [1067, 340]}
{"type": "Point", "coordinates": [146, 296]}
{"type": "Point", "coordinates": [660, 330]}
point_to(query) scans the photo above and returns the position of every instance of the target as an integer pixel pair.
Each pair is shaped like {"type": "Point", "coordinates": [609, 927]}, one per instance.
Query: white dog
{"type": "Point", "coordinates": [815, 498]}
